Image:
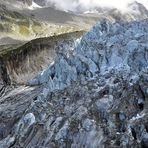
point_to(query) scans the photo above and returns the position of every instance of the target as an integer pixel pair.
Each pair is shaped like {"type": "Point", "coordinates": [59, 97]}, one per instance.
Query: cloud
{"type": "Point", "coordinates": [85, 5]}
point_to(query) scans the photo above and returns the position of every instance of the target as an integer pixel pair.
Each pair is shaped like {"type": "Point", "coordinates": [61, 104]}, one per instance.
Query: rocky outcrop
{"type": "Point", "coordinates": [93, 95]}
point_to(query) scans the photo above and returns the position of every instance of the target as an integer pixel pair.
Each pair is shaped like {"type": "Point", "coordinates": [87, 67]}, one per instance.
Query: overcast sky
{"type": "Point", "coordinates": [90, 4]}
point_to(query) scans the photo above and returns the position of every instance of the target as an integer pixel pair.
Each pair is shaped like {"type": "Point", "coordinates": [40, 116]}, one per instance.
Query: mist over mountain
{"type": "Point", "coordinates": [87, 5]}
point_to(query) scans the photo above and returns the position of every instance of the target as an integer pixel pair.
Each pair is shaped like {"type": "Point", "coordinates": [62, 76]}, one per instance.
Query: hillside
{"type": "Point", "coordinates": [26, 20]}
{"type": "Point", "coordinates": [19, 23]}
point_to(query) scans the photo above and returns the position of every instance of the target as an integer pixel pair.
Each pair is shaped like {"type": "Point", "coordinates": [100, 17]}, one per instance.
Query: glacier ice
{"type": "Point", "coordinates": [107, 46]}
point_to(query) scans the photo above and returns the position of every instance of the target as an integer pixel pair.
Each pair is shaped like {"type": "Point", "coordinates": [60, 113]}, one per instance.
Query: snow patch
{"type": "Point", "coordinates": [34, 6]}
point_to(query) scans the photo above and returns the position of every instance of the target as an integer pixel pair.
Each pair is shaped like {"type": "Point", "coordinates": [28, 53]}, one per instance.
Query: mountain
{"type": "Point", "coordinates": [24, 20]}
{"type": "Point", "coordinates": [138, 10]}
{"type": "Point", "coordinates": [133, 11]}
{"type": "Point", "coordinates": [22, 23]}
{"type": "Point", "coordinates": [94, 93]}
{"type": "Point", "coordinates": [66, 84]}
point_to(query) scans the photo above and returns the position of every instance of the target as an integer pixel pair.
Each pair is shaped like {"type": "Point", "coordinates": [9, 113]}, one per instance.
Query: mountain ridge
{"type": "Point", "coordinates": [47, 20]}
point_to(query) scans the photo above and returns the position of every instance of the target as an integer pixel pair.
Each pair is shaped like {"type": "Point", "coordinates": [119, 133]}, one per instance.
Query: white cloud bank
{"type": "Point", "coordinates": [86, 5]}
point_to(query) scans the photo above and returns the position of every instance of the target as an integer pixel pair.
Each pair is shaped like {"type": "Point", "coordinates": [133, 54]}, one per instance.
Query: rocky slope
{"type": "Point", "coordinates": [93, 95]}
{"type": "Point", "coordinates": [19, 22]}
{"type": "Point", "coordinates": [21, 62]}
{"type": "Point", "coordinates": [23, 20]}
{"type": "Point", "coordinates": [15, 25]}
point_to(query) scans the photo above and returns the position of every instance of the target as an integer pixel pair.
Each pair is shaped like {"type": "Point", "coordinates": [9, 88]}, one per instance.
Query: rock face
{"type": "Point", "coordinates": [94, 94]}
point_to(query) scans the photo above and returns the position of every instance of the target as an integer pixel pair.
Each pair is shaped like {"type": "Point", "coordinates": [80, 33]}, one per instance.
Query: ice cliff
{"type": "Point", "coordinates": [93, 95]}
{"type": "Point", "coordinates": [119, 47]}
